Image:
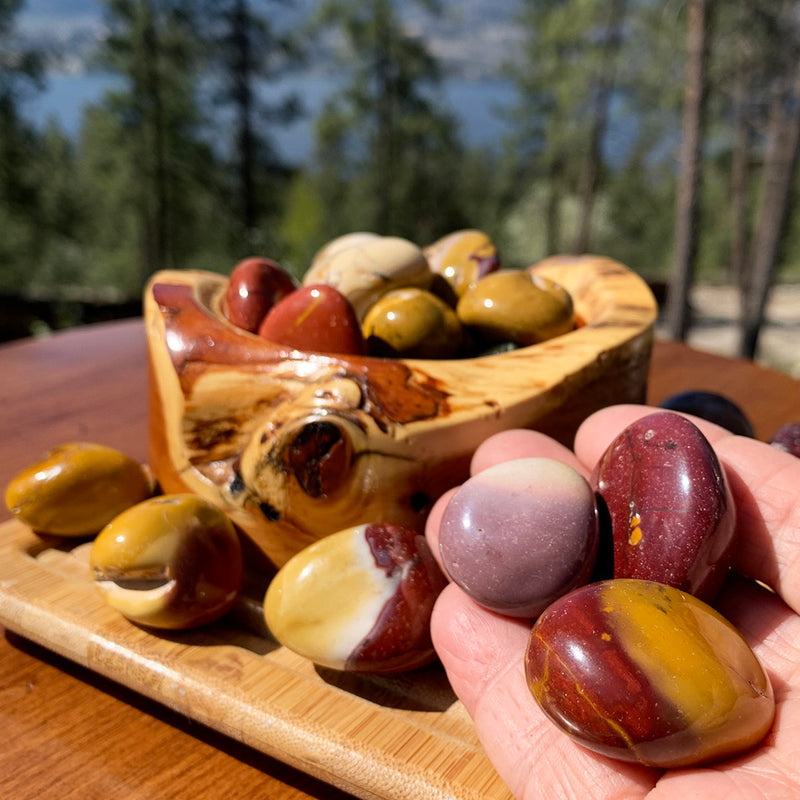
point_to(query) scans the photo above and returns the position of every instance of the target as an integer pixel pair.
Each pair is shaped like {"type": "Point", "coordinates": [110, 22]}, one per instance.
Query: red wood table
{"type": "Point", "coordinates": [70, 733]}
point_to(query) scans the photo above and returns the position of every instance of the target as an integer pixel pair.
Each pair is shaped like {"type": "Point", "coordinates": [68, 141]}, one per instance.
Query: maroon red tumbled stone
{"type": "Point", "coordinates": [316, 318]}
{"type": "Point", "coordinates": [671, 510]}
{"type": "Point", "coordinates": [255, 285]}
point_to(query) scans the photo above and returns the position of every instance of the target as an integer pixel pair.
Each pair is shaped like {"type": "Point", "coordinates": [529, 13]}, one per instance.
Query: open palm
{"type": "Point", "coordinates": [483, 652]}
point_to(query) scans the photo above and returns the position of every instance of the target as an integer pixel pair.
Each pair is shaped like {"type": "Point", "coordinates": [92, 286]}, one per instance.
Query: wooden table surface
{"type": "Point", "coordinates": [69, 733]}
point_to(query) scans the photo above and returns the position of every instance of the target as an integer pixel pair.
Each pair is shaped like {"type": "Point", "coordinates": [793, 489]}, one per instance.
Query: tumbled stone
{"type": "Point", "coordinates": [171, 562]}
{"type": "Point", "coordinates": [255, 285]}
{"type": "Point", "coordinates": [315, 318]}
{"type": "Point", "coordinates": [672, 514]}
{"type": "Point", "coordinates": [358, 600]}
{"type": "Point", "coordinates": [365, 270]}
{"type": "Point", "coordinates": [76, 488]}
{"type": "Point", "coordinates": [336, 245]}
{"type": "Point", "coordinates": [412, 323]}
{"type": "Point", "coordinates": [462, 258]}
{"type": "Point", "coordinates": [643, 672]}
{"type": "Point", "coordinates": [713, 407]}
{"type": "Point", "coordinates": [787, 438]}
{"type": "Point", "coordinates": [517, 306]}
{"type": "Point", "coordinates": [520, 534]}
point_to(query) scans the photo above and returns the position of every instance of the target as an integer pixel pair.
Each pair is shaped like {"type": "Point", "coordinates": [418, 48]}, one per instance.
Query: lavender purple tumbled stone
{"type": "Point", "coordinates": [787, 438]}
{"type": "Point", "coordinates": [520, 534]}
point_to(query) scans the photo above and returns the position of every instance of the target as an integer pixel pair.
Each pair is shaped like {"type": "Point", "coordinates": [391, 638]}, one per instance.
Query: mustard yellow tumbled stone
{"type": "Point", "coordinates": [412, 323]}
{"type": "Point", "coordinates": [517, 306]}
{"type": "Point", "coordinates": [171, 562]}
{"type": "Point", "coordinates": [76, 488]}
{"type": "Point", "coordinates": [358, 600]}
{"type": "Point", "coordinates": [462, 258]}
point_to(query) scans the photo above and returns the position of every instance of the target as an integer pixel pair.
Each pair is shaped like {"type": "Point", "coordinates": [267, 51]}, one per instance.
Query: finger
{"type": "Point", "coordinates": [520, 443]}
{"type": "Point", "coordinates": [483, 654]}
{"type": "Point", "coordinates": [433, 521]}
{"type": "Point", "coordinates": [768, 625]}
{"type": "Point", "coordinates": [764, 482]}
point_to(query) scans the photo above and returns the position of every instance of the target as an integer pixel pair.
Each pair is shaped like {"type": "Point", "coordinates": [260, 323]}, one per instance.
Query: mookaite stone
{"type": "Point", "coordinates": [640, 671]}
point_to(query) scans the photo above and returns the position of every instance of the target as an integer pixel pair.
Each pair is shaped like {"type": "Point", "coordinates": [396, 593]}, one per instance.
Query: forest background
{"type": "Point", "coordinates": [663, 133]}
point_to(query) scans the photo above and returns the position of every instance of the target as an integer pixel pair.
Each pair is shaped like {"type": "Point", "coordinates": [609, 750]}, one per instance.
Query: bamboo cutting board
{"type": "Point", "coordinates": [402, 737]}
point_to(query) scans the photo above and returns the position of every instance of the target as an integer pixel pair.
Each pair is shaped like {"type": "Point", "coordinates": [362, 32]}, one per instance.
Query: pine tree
{"type": "Point", "coordinates": [692, 137]}
{"type": "Point", "coordinates": [780, 158]}
{"type": "Point", "coordinates": [151, 46]}
{"type": "Point", "coordinates": [244, 51]}
{"type": "Point", "coordinates": [565, 80]}
{"type": "Point", "coordinates": [385, 147]}
{"type": "Point", "coordinates": [20, 76]}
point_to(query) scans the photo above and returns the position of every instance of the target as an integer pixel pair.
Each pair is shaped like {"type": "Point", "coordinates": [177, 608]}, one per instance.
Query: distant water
{"type": "Point", "coordinates": [477, 105]}
{"type": "Point", "coordinates": [64, 98]}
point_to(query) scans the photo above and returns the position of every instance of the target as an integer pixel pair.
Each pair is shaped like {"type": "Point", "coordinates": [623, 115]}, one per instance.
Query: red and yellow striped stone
{"type": "Point", "coordinates": [641, 671]}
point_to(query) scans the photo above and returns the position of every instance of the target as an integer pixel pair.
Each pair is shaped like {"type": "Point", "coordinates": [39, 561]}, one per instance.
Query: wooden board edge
{"type": "Point", "coordinates": [295, 724]}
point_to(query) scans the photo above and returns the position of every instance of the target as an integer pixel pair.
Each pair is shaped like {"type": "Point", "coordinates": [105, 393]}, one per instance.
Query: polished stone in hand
{"type": "Point", "coordinates": [520, 534]}
{"type": "Point", "coordinates": [671, 510]}
{"type": "Point", "coordinates": [642, 672]}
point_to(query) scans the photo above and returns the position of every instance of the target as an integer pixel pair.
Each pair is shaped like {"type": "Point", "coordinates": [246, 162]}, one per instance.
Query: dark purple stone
{"type": "Point", "coordinates": [712, 407]}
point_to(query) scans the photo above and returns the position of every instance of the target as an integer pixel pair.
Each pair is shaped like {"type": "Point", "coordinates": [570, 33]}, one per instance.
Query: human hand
{"type": "Point", "coordinates": [483, 652]}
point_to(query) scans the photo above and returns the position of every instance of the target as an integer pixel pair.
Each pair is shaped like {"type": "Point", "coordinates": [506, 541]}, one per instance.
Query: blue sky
{"type": "Point", "coordinates": [475, 36]}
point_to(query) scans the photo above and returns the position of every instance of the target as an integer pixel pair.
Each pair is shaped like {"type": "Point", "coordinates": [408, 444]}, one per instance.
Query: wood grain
{"type": "Point", "coordinates": [71, 733]}
{"type": "Point", "coordinates": [389, 738]}
{"type": "Point", "coordinates": [295, 445]}
{"type": "Point", "coordinates": [769, 398]}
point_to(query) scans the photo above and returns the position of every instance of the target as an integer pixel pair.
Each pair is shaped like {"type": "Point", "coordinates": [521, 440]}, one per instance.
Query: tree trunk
{"type": "Point", "coordinates": [686, 218]}
{"type": "Point", "coordinates": [776, 183]}
{"type": "Point", "coordinates": [604, 89]}
{"type": "Point", "coordinates": [149, 97]}
{"type": "Point", "coordinates": [740, 162]}
{"type": "Point", "coordinates": [243, 101]}
{"type": "Point", "coordinates": [385, 117]}
{"type": "Point", "coordinates": [553, 207]}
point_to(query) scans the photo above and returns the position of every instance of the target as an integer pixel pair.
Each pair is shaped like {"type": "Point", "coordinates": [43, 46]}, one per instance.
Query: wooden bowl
{"type": "Point", "coordinates": [297, 445]}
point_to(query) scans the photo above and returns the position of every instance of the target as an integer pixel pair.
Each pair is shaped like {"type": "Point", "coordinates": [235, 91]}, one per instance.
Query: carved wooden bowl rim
{"type": "Point", "coordinates": [606, 294]}
{"type": "Point", "coordinates": [424, 416]}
